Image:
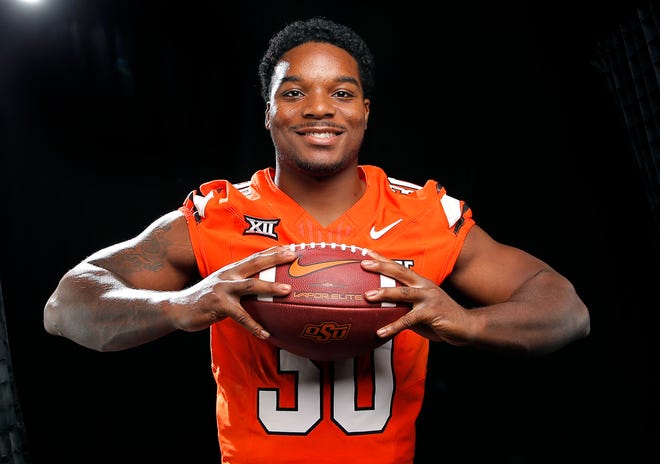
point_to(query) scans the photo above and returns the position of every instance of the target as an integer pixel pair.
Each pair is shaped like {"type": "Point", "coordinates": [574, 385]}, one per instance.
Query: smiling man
{"type": "Point", "coordinates": [189, 269]}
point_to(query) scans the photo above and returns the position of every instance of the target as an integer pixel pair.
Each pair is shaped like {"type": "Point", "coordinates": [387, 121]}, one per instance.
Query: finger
{"type": "Point", "coordinates": [395, 294]}
{"type": "Point", "coordinates": [375, 255]}
{"type": "Point", "coordinates": [243, 318]}
{"type": "Point", "coordinates": [393, 269]}
{"type": "Point", "coordinates": [253, 264]}
{"type": "Point", "coordinates": [256, 286]}
{"type": "Point", "coordinates": [406, 321]}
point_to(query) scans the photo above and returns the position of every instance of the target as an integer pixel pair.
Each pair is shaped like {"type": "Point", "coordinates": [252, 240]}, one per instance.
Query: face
{"type": "Point", "coordinates": [317, 113]}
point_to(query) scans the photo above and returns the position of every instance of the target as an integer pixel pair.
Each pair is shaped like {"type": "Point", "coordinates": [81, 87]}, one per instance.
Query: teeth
{"type": "Point", "coordinates": [322, 135]}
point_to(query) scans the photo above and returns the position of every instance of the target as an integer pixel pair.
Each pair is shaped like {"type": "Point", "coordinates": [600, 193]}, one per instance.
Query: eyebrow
{"type": "Point", "coordinates": [348, 79]}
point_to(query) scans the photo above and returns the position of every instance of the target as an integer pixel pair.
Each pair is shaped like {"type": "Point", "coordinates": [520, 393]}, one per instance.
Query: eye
{"type": "Point", "coordinates": [343, 94]}
{"type": "Point", "coordinates": [293, 93]}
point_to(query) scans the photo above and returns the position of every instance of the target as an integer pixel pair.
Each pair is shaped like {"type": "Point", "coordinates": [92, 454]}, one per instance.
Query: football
{"type": "Point", "coordinates": [325, 317]}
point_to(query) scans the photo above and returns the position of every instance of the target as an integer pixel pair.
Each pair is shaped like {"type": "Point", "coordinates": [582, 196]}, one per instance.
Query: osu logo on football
{"type": "Point", "coordinates": [326, 332]}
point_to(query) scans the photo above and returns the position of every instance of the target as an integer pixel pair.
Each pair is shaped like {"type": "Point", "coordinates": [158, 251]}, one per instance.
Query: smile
{"type": "Point", "coordinates": [321, 135]}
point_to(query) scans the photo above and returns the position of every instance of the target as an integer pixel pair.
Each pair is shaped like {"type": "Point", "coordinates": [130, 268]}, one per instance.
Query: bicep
{"type": "Point", "coordinates": [159, 258]}
{"type": "Point", "coordinates": [490, 272]}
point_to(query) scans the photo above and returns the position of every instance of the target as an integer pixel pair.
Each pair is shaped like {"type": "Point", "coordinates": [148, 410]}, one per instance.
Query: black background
{"type": "Point", "coordinates": [112, 111]}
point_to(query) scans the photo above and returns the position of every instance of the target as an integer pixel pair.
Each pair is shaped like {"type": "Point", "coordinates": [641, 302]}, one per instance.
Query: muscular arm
{"type": "Point", "coordinates": [118, 297]}
{"type": "Point", "coordinates": [523, 304]}
{"type": "Point", "coordinates": [137, 291]}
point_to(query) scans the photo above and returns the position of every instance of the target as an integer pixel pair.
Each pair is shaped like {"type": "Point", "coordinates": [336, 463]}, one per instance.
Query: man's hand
{"type": "Point", "coordinates": [219, 295]}
{"type": "Point", "coordinates": [434, 315]}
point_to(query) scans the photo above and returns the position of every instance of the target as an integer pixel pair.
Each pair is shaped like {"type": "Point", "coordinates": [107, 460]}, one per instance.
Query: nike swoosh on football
{"type": "Point", "coordinates": [299, 270]}
{"type": "Point", "coordinates": [376, 234]}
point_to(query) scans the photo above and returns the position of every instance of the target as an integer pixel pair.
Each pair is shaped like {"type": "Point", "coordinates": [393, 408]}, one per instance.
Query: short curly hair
{"type": "Point", "coordinates": [317, 29]}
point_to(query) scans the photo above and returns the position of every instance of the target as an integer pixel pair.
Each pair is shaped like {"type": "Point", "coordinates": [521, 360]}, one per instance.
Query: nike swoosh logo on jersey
{"type": "Point", "coordinates": [376, 234]}
{"type": "Point", "coordinates": [299, 270]}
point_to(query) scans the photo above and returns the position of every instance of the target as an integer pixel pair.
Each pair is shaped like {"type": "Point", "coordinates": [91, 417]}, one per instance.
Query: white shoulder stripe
{"type": "Point", "coordinates": [403, 187]}
{"type": "Point", "coordinates": [452, 209]}
{"type": "Point", "coordinates": [200, 202]}
{"type": "Point", "coordinates": [242, 185]}
{"type": "Point", "coordinates": [403, 183]}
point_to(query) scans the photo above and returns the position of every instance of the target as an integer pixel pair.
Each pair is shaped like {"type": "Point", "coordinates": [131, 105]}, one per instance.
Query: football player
{"type": "Point", "coordinates": [189, 269]}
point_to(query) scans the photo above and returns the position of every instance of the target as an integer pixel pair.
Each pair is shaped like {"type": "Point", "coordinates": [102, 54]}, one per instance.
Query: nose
{"type": "Point", "coordinates": [318, 105]}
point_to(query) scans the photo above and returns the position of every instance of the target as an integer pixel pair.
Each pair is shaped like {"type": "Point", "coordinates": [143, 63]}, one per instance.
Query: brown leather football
{"type": "Point", "coordinates": [325, 317]}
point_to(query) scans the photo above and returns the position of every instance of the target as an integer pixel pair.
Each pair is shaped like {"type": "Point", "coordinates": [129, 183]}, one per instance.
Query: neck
{"type": "Point", "coordinates": [324, 198]}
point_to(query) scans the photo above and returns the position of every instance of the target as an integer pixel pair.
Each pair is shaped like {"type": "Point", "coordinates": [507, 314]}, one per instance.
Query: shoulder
{"type": "Point", "coordinates": [167, 237]}
{"type": "Point", "coordinates": [429, 196]}
{"type": "Point", "coordinates": [159, 257]}
{"type": "Point", "coordinates": [376, 176]}
{"type": "Point", "coordinates": [215, 192]}
{"type": "Point", "coordinates": [171, 222]}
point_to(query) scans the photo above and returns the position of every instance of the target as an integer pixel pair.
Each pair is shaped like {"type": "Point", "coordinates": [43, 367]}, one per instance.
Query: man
{"type": "Point", "coordinates": [189, 269]}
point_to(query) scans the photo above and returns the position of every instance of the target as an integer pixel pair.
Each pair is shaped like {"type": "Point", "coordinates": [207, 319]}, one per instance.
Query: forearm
{"type": "Point", "coordinates": [542, 316]}
{"type": "Point", "coordinates": [94, 308]}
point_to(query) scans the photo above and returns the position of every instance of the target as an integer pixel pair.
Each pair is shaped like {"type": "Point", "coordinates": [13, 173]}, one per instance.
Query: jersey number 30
{"type": "Point", "coordinates": [346, 414]}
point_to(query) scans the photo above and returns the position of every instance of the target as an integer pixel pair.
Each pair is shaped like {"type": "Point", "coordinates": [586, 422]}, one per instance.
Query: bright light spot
{"type": "Point", "coordinates": [31, 2]}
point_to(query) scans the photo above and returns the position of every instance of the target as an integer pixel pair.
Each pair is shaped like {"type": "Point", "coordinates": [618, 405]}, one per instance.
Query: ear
{"type": "Point", "coordinates": [267, 116]}
{"type": "Point", "coordinates": [367, 102]}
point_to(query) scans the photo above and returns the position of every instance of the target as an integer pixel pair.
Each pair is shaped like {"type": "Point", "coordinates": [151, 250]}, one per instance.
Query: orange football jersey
{"type": "Point", "coordinates": [277, 407]}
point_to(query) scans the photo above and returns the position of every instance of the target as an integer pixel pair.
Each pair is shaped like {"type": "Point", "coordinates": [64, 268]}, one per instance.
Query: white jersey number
{"type": "Point", "coordinates": [301, 419]}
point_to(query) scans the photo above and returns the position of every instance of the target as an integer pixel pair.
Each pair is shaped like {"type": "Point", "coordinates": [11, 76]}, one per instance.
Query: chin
{"type": "Point", "coordinates": [322, 168]}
